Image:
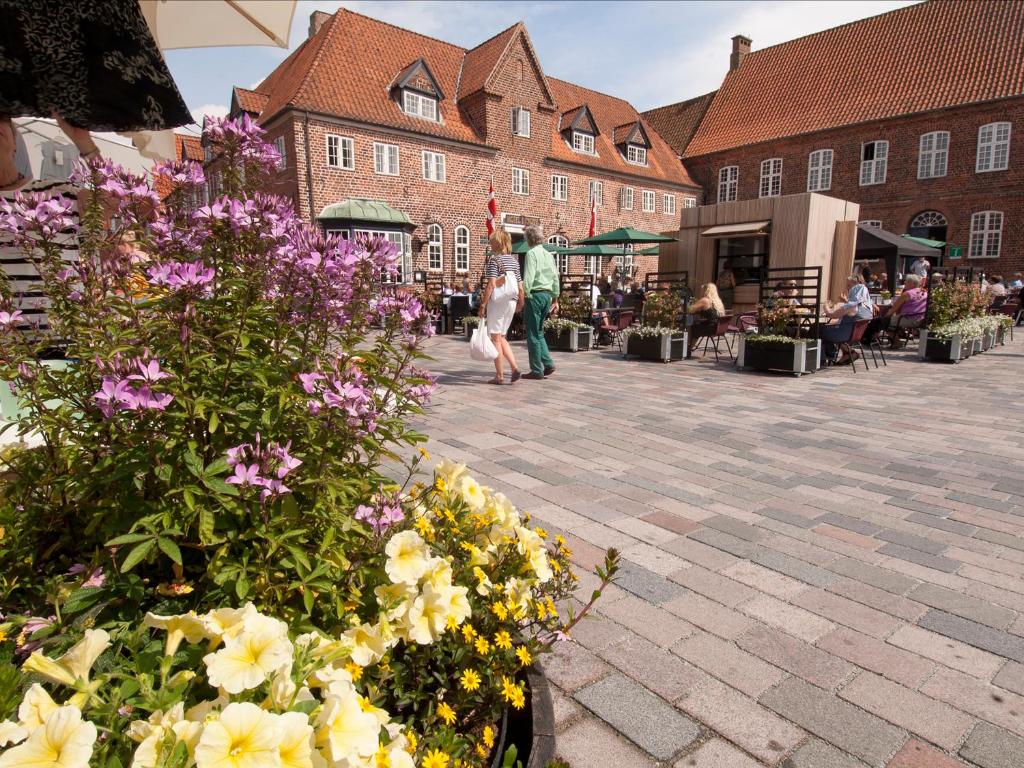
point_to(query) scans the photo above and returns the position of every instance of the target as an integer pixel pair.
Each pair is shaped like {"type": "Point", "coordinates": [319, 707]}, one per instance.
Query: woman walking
{"type": "Point", "coordinates": [503, 297]}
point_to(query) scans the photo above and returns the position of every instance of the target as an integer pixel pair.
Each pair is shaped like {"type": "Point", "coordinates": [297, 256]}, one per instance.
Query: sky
{"type": "Point", "coordinates": [649, 53]}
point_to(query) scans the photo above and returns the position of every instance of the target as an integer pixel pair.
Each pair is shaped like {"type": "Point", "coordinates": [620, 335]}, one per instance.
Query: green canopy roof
{"type": "Point", "coordinates": [595, 250]}
{"type": "Point", "coordinates": [626, 235]}
{"type": "Point", "coordinates": [652, 251]}
{"type": "Point", "coordinates": [361, 209]}
{"type": "Point", "coordinates": [522, 247]}
{"type": "Point", "coordinates": [926, 241]}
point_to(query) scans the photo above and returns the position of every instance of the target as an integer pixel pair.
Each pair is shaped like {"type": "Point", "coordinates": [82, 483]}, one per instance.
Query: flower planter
{"type": "Point", "coordinates": [667, 347]}
{"type": "Point", "coordinates": [1000, 337]}
{"type": "Point", "coordinates": [531, 729]}
{"type": "Point", "coordinates": [952, 350]}
{"type": "Point", "coordinates": [797, 358]}
{"type": "Point", "coordinates": [469, 330]}
{"type": "Point", "coordinates": [977, 346]}
{"type": "Point", "coordinates": [569, 339]}
{"type": "Point", "coordinates": [988, 340]}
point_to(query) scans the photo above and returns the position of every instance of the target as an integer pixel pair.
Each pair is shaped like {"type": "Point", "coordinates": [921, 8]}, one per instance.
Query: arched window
{"type": "Point", "coordinates": [462, 249]}
{"type": "Point", "coordinates": [930, 225]}
{"type": "Point", "coordinates": [435, 256]}
{"type": "Point", "coordinates": [562, 259]}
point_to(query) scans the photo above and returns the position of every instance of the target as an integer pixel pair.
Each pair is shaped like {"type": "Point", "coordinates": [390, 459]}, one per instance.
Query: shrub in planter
{"type": "Point", "coordinates": [567, 335]}
{"type": "Point", "coordinates": [656, 343]}
{"type": "Point", "coordinates": [952, 341]}
{"type": "Point", "coordinates": [471, 322]}
{"type": "Point", "coordinates": [772, 352]}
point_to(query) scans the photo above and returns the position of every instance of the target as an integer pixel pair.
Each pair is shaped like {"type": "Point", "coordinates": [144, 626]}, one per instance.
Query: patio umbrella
{"type": "Point", "coordinates": [521, 247]}
{"type": "Point", "coordinates": [214, 23]}
{"type": "Point", "coordinates": [624, 235]}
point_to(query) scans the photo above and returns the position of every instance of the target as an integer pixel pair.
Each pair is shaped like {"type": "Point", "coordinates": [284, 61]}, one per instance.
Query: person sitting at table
{"type": "Point", "coordinates": [996, 286]}
{"type": "Point", "coordinates": [785, 294]}
{"type": "Point", "coordinates": [1018, 282]}
{"type": "Point", "coordinates": [706, 311]}
{"type": "Point", "coordinates": [853, 306]}
{"type": "Point", "coordinates": [907, 311]}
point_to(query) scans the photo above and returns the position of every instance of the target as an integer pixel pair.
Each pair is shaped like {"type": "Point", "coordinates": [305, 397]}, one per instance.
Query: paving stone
{"type": "Point", "coordinates": [917, 754]}
{"type": "Point", "coordinates": [571, 666]}
{"type": "Point", "coordinates": [896, 583]}
{"type": "Point", "coordinates": [566, 710]}
{"type": "Point", "coordinates": [896, 605]}
{"type": "Point", "coordinates": [792, 566]}
{"type": "Point", "coordinates": [795, 656]}
{"type": "Point", "coordinates": [850, 537]}
{"type": "Point", "coordinates": [788, 618]}
{"type": "Point", "coordinates": [835, 721]}
{"type": "Point", "coordinates": [843, 611]}
{"type": "Point", "coordinates": [968, 607]}
{"type": "Point", "coordinates": [870, 653]}
{"type": "Point", "coordinates": [642, 717]}
{"type": "Point", "coordinates": [1011, 677]}
{"type": "Point", "coordinates": [980, 636]}
{"type": "Point", "coordinates": [765, 580]}
{"type": "Point", "coordinates": [978, 698]}
{"type": "Point", "coordinates": [947, 651]}
{"type": "Point", "coordinates": [653, 558]}
{"type": "Point", "coordinates": [933, 521]}
{"type": "Point", "coordinates": [937, 562]}
{"type": "Point", "coordinates": [742, 721]}
{"type": "Point", "coordinates": [589, 742]}
{"type": "Point", "coordinates": [937, 722]}
{"type": "Point", "coordinates": [656, 624]}
{"type": "Point", "coordinates": [735, 528]}
{"type": "Point", "coordinates": [709, 616]}
{"type": "Point", "coordinates": [790, 518]}
{"type": "Point", "coordinates": [850, 523]}
{"type": "Point", "coordinates": [655, 668]}
{"type": "Point", "coordinates": [728, 663]}
{"type": "Point", "coordinates": [817, 754]}
{"type": "Point", "coordinates": [646, 584]}
{"type": "Point", "coordinates": [992, 747]}
{"type": "Point", "coordinates": [726, 542]}
{"type": "Point", "coordinates": [668, 521]}
{"type": "Point", "coordinates": [713, 585]}
{"type": "Point", "coordinates": [717, 754]}
{"type": "Point", "coordinates": [911, 541]}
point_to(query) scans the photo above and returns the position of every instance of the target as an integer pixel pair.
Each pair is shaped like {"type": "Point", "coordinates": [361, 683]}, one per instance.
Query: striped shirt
{"type": "Point", "coordinates": [500, 263]}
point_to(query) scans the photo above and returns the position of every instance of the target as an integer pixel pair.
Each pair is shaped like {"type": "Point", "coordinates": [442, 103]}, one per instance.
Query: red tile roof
{"type": "Point", "coordinates": [678, 122]}
{"type": "Point", "coordinates": [936, 54]}
{"type": "Point", "coordinates": [189, 147]}
{"type": "Point", "coordinates": [249, 101]}
{"type": "Point", "coordinates": [346, 68]}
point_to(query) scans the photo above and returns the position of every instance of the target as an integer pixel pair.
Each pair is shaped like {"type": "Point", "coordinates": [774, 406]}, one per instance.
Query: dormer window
{"type": "Point", "coordinates": [419, 105]}
{"type": "Point", "coordinates": [636, 155]}
{"type": "Point", "coordinates": [583, 142]}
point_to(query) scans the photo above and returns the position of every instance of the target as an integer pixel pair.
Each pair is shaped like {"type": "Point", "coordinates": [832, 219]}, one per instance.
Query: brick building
{"type": "Point", "coordinates": [387, 131]}
{"type": "Point", "coordinates": [916, 114]}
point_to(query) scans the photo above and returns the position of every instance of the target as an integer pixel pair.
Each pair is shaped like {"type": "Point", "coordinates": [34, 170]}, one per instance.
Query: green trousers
{"type": "Point", "coordinates": [535, 312]}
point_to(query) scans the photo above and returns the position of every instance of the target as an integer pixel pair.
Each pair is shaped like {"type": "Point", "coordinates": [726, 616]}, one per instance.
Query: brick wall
{"type": "Point", "coordinates": [896, 202]}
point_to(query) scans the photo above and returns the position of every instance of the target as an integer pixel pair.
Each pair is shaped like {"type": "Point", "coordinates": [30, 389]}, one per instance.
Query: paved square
{"type": "Point", "coordinates": [817, 573]}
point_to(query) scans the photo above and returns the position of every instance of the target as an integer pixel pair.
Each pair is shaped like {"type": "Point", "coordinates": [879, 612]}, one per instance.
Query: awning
{"type": "Point", "coordinates": [747, 229]}
{"type": "Point", "coordinates": [926, 242]}
{"type": "Point", "coordinates": [368, 211]}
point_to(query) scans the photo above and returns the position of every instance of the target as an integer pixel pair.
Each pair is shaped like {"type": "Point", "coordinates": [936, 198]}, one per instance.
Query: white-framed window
{"type": "Point", "coordinates": [435, 251]}
{"type": "Point", "coordinates": [626, 198]}
{"type": "Point", "coordinates": [819, 170]}
{"type": "Point", "coordinates": [401, 241]}
{"type": "Point", "coordinates": [433, 166]}
{"type": "Point", "coordinates": [689, 202]}
{"type": "Point", "coordinates": [344, 234]}
{"type": "Point", "coordinates": [418, 105]}
{"type": "Point", "coordinates": [583, 142]}
{"type": "Point", "coordinates": [647, 200]}
{"type": "Point", "coordinates": [668, 204]}
{"type": "Point", "coordinates": [993, 147]}
{"type": "Point", "coordinates": [462, 249]}
{"type": "Point", "coordinates": [986, 234]}
{"type": "Point", "coordinates": [876, 223]}
{"type": "Point", "coordinates": [520, 181]}
{"type": "Point", "coordinates": [728, 181]}
{"type": "Point", "coordinates": [771, 177]}
{"type": "Point", "coordinates": [874, 159]}
{"type": "Point", "coordinates": [933, 155]}
{"type": "Point", "coordinates": [559, 187]}
{"type": "Point", "coordinates": [340, 152]}
{"type": "Point", "coordinates": [595, 193]}
{"type": "Point", "coordinates": [625, 259]}
{"type": "Point", "coordinates": [636, 155]}
{"type": "Point", "coordinates": [282, 161]}
{"type": "Point", "coordinates": [561, 259]}
{"type": "Point", "coordinates": [385, 159]}
{"type": "Point", "coordinates": [592, 264]}
{"type": "Point", "coordinates": [521, 122]}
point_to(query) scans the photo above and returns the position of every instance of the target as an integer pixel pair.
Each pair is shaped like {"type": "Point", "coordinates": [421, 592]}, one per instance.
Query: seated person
{"type": "Point", "coordinates": [997, 287]}
{"type": "Point", "coordinates": [1018, 282]}
{"type": "Point", "coordinates": [786, 294]}
{"type": "Point", "coordinates": [855, 305]}
{"type": "Point", "coordinates": [907, 311]}
{"type": "Point", "coordinates": [706, 311]}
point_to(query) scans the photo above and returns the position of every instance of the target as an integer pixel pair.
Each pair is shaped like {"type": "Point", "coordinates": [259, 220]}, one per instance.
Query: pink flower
{"type": "Point", "coordinates": [150, 372]}
{"type": "Point", "coordinates": [246, 475]}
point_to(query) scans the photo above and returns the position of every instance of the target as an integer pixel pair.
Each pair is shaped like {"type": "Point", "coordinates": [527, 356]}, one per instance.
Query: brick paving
{"type": "Point", "coordinates": [824, 572]}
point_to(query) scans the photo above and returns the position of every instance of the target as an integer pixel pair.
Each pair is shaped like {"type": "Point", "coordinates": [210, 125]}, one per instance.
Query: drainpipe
{"type": "Point", "coordinates": [309, 169]}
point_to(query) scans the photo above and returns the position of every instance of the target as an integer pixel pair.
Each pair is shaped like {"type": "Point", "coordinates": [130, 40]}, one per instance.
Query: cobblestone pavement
{"type": "Point", "coordinates": [823, 572]}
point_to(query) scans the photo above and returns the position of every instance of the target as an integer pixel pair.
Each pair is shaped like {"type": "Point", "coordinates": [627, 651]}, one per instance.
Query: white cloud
{"type": "Point", "coordinates": [213, 110]}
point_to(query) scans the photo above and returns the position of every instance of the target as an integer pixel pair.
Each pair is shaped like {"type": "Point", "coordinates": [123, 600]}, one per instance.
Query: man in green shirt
{"type": "Point", "coordinates": [541, 286]}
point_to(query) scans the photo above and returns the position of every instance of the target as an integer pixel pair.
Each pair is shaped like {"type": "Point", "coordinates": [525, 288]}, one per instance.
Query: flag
{"type": "Point", "coordinates": [492, 209]}
{"type": "Point", "coordinates": [593, 216]}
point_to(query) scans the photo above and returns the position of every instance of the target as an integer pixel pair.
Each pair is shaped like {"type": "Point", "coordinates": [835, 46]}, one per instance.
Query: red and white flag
{"type": "Point", "coordinates": [492, 209]}
{"type": "Point", "coordinates": [593, 217]}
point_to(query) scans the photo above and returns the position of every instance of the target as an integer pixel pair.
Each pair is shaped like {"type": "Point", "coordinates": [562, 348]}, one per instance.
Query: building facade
{"type": "Point", "coordinates": [385, 131]}
{"type": "Point", "coordinates": [917, 115]}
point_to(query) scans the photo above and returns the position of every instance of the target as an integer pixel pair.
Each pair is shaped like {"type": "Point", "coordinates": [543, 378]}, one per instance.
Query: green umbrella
{"type": "Point", "coordinates": [653, 251]}
{"type": "Point", "coordinates": [594, 250]}
{"type": "Point", "coordinates": [522, 247]}
{"type": "Point", "coordinates": [925, 241]}
{"type": "Point", "coordinates": [624, 235]}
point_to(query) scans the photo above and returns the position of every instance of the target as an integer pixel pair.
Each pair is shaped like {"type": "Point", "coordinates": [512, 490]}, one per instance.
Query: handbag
{"type": "Point", "coordinates": [481, 347]}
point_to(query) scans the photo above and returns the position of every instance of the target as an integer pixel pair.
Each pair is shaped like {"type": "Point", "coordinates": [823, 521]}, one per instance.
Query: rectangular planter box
{"type": "Point", "coordinates": [988, 340]}
{"type": "Point", "coordinates": [469, 331]}
{"type": "Point", "coordinates": [799, 358]}
{"type": "Point", "coordinates": [666, 348]}
{"type": "Point", "coordinates": [1000, 335]}
{"type": "Point", "coordinates": [947, 350]}
{"type": "Point", "coordinates": [569, 340]}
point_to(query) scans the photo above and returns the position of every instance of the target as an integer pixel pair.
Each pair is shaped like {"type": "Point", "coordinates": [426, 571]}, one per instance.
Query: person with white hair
{"type": "Point", "coordinates": [541, 286]}
{"type": "Point", "coordinates": [856, 305]}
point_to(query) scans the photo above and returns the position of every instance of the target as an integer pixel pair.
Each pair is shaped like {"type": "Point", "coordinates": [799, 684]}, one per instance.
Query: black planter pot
{"type": "Point", "coordinates": [951, 350]}
{"type": "Point", "coordinates": [798, 358]}
{"type": "Point", "coordinates": [469, 331]}
{"type": "Point", "coordinates": [569, 340]}
{"type": "Point", "coordinates": [665, 348]}
{"type": "Point", "coordinates": [531, 729]}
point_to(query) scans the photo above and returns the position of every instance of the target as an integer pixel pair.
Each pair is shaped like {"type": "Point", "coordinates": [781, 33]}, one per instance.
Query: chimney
{"type": "Point", "coordinates": [740, 48]}
{"type": "Point", "coordinates": [316, 20]}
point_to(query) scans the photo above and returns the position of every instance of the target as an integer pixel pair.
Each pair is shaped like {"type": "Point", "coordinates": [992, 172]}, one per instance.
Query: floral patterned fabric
{"type": "Point", "coordinates": [94, 63]}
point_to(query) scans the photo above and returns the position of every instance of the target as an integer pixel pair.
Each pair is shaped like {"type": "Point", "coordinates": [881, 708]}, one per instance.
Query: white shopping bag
{"type": "Point", "coordinates": [480, 345]}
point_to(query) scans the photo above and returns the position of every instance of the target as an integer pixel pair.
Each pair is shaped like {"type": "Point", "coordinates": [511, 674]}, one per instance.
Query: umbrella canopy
{"type": "Point", "coordinates": [926, 242]}
{"type": "Point", "coordinates": [624, 235]}
{"type": "Point", "coordinates": [522, 247]}
{"type": "Point", "coordinates": [654, 250]}
{"type": "Point", "coordinates": [594, 250]}
{"type": "Point", "coordinates": [213, 23]}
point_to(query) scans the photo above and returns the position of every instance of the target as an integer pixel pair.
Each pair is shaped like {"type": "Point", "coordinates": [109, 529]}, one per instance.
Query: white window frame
{"type": "Point", "coordinates": [583, 142]}
{"type": "Point", "coordinates": [636, 154]}
{"type": "Point", "coordinates": [626, 199]}
{"type": "Point", "coordinates": [771, 178]}
{"type": "Point", "coordinates": [460, 249]}
{"type": "Point", "coordinates": [559, 187]}
{"type": "Point", "coordinates": [668, 204]}
{"type": "Point", "coordinates": [521, 122]}
{"type": "Point", "coordinates": [400, 239]}
{"type": "Point", "coordinates": [728, 183]}
{"type": "Point", "coordinates": [420, 105]}
{"type": "Point", "coordinates": [689, 201]}
{"type": "Point", "coordinates": [986, 235]}
{"type": "Point", "coordinates": [434, 166]}
{"type": "Point", "coordinates": [993, 147]}
{"type": "Point", "coordinates": [344, 150]}
{"type": "Point", "coordinates": [876, 223]}
{"type": "Point", "coordinates": [383, 155]}
{"type": "Point", "coordinates": [819, 170]}
{"type": "Point", "coordinates": [595, 191]}
{"type": "Point", "coordinates": [933, 155]}
{"type": "Point", "coordinates": [648, 201]}
{"type": "Point", "coordinates": [874, 171]}
{"type": "Point", "coordinates": [520, 181]}
{"type": "Point", "coordinates": [282, 162]}
{"type": "Point", "coordinates": [592, 265]}
{"type": "Point", "coordinates": [561, 259]}
{"type": "Point", "coordinates": [435, 248]}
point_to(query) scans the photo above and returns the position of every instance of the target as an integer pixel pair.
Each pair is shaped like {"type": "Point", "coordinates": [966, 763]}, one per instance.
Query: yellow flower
{"type": "Point", "coordinates": [542, 610]}
{"type": "Point", "coordinates": [3, 635]}
{"type": "Point", "coordinates": [424, 527]}
{"type": "Point", "coordinates": [541, 532]}
{"type": "Point", "coordinates": [469, 680]}
{"type": "Point", "coordinates": [482, 646]}
{"type": "Point", "coordinates": [63, 741]}
{"type": "Point", "coordinates": [488, 737]}
{"type": "Point", "coordinates": [187, 626]}
{"type": "Point", "coordinates": [441, 485]}
{"type": "Point", "coordinates": [503, 640]}
{"type": "Point", "coordinates": [435, 759]}
{"type": "Point", "coordinates": [518, 699]}
{"type": "Point", "coordinates": [369, 643]}
{"type": "Point", "coordinates": [499, 610]}
{"type": "Point", "coordinates": [244, 736]}
{"type": "Point", "coordinates": [472, 493]}
{"type": "Point", "coordinates": [524, 656]}
{"type": "Point", "coordinates": [345, 728]}
{"type": "Point", "coordinates": [468, 633]}
{"type": "Point", "coordinates": [447, 472]}
{"type": "Point", "coordinates": [410, 736]}
{"type": "Point", "coordinates": [354, 669]}
{"type": "Point", "coordinates": [71, 669]}
{"type": "Point", "coordinates": [481, 751]}
{"type": "Point", "coordinates": [250, 658]}
{"type": "Point", "coordinates": [424, 454]}
{"type": "Point", "coordinates": [446, 713]}
{"type": "Point", "coordinates": [296, 747]}
{"type": "Point", "coordinates": [408, 557]}
{"type": "Point", "coordinates": [428, 616]}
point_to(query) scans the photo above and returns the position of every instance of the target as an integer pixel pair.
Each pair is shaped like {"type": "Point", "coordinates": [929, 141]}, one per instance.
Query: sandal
{"type": "Point", "coordinates": [498, 382]}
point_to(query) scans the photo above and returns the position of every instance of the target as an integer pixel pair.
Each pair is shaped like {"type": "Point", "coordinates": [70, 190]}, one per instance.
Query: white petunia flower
{"type": "Point", "coordinates": [408, 557]}
{"type": "Point", "coordinates": [63, 741]}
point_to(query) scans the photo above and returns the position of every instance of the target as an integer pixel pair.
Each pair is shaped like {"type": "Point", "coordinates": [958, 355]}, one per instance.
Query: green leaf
{"type": "Point", "coordinates": [214, 422]}
{"type": "Point", "coordinates": [194, 464]}
{"type": "Point", "coordinates": [128, 538]}
{"type": "Point", "coordinates": [170, 549]}
{"type": "Point", "coordinates": [217, 485]}
{"type": "Point", "coordinates": [163, 472]}
{"type": "Point", "coordinates": [136, 555]}
{"type": "Point", "coordinates": [81, 599]}
{"type": "Point", "coordinates": [216, 467]}
{"type": "Point", "coordinates": [190, 500]}
{"type": "Point", "coordinates": [307, 600]}
{"type": "Point", "coordinates": [242, 588]}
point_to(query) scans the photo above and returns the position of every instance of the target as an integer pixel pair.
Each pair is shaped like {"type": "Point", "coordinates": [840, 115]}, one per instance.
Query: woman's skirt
{"type": "Point", "coordinates": [499, 315]}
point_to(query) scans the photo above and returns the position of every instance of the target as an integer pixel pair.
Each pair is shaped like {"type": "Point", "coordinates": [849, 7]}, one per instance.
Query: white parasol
{"type": "Point", "coordinates": [215, 23]}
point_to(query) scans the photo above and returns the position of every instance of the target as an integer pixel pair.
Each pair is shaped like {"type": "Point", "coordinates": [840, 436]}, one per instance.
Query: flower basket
{"type": "Point", "coordinates": [952, 349]}
{"type": "Point", "coordinates": [787, 355]}
{"type": "Point", "coordinates": [530, 730]}
{"type": "Point", "coordinates": [569, 339]}
{"type": "Point", "coordinates": [666, 346]}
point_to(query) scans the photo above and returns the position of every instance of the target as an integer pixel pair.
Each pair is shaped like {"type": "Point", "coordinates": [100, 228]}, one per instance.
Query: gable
{"type": "Point", "coordinates": [631, 133]}
{"type": "Point", "coordinates": [418, 77]}
{"type": "Point", "coordinates": [580, 119]}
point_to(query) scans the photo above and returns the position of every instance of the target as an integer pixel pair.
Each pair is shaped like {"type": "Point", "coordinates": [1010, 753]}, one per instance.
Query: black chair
{"type": "Point", "coordinates": [458, 310]}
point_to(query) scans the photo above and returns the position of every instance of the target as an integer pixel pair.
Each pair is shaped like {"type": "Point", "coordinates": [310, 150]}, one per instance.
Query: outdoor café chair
{"type": "Point", "coordinates": [720, 335]}
{"type": "Point", "coordinates": [1010, 309]}
{"type": "Point", "coordinates": [857, 339]}
{"type": "Point", "coordinates": [615, 323]}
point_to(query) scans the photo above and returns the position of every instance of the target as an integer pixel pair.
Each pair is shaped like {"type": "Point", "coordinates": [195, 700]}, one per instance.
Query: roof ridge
{"type": "Point", "coordinates": [680, 103]}
{"type": "Point", "coordinates": [397, 26]}
{"type": "Point", "coordinates": [327, 30]}
{"type": "Point", "coordinates": [508, 44]}
{"type": "Point", "coordinates": [599, 93]}
{"type": "Point", "coordinates": [494, 36]}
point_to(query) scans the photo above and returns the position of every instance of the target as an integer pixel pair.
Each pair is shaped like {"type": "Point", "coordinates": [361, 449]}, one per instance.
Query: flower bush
{"type": "Point", "coordinates": [773, 317]}
{"type": "Point", "coordinates": [662, 310]}
{"type": "Point", "coordinates": [561, 324]}
{"type": "Point", "coordinates": [954, 300]}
